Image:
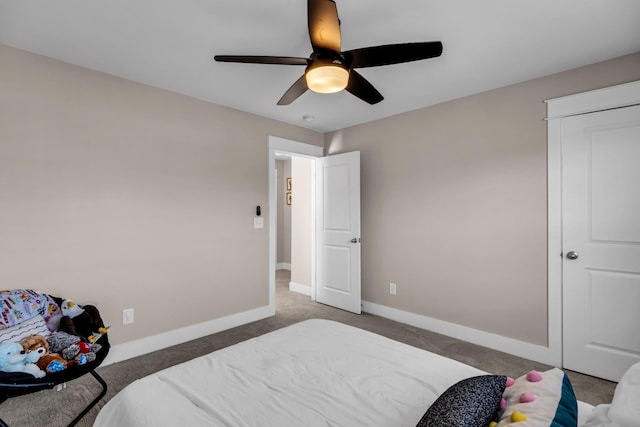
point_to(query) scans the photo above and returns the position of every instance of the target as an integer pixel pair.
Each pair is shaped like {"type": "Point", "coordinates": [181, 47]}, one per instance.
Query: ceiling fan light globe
{"type": "Point", "coordinates": [327, 78]}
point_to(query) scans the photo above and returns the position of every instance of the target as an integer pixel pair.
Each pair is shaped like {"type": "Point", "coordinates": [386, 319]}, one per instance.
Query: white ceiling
{"type": "Point", "coordinates": [170, 45]}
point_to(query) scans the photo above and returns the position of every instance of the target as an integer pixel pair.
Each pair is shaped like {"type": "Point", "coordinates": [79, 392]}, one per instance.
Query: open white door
{"type": "Point", "coordinates": [601, 241]}
{"type": "Point", "coordinates": [338, 231]}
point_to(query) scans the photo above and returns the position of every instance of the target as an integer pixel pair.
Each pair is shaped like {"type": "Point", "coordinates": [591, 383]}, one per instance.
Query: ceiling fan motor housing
{"type": "Point", "coordinates": [326, 72]}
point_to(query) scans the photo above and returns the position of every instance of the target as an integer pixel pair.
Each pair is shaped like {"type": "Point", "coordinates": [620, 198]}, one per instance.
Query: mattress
{"type": "Point", "coordinates": [313, 373]}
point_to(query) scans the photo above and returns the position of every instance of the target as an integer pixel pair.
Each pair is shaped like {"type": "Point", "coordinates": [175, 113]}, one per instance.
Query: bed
{"type": "Point", "coordinates": [313, 373]}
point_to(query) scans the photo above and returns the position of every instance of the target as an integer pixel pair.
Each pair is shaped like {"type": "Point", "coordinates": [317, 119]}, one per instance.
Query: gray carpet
{"type": "Point", "coordinates": [57, 408]}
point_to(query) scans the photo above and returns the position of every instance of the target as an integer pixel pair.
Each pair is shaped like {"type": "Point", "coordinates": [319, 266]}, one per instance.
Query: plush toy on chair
{"type": "Point", "coordinates": [37, 349]}
{"type": "Point", "coordinates": [72, 348]}
{"type": "Point", "coordinates": [80, 321]}
{"type": "Point", "coordinates": [13, 358]}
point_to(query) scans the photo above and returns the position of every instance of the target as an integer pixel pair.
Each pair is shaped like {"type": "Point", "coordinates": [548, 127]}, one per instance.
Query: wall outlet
{"type": "Point", "coordinates": [127, 316]}
{"type": "Point", "coordinates": [392, 288]}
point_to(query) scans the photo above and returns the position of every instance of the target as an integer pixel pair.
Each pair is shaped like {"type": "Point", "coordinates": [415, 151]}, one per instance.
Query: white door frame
{"type": "Point", "coordinates": [587, 102]}
{"type": "Point", "coordinates": [284, 146]}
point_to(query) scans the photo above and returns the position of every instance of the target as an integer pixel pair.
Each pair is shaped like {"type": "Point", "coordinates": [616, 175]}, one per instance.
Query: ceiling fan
{"type": "Point", "coordinates": [329, 69]}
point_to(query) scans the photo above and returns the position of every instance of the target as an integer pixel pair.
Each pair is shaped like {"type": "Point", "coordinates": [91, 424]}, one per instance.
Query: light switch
{"type": "Point", "coordinates": [127, 316]}
{"type": "Point", "coordinates": [258, 222]}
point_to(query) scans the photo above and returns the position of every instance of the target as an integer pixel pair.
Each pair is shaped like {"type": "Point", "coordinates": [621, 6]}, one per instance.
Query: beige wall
{"type": "Point", "coordinates": [124, 195]}
{"type": "Point", "coordinates": [454, 203]}
{"type": "Point", "coordinates": [301, 220]}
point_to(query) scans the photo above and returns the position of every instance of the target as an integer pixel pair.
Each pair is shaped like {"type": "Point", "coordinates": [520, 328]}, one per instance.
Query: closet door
{"type": "Point", "coordinates": [601, 241]}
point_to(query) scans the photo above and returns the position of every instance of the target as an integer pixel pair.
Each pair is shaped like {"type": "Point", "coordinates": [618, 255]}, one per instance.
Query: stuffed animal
{"type": "Point", "coordinates": [13, 359]}
{"type": "Point", "coordinates": [72, 348]}
{"type": "Point", "coordinates": [37, 349]}
{"type": "Point", "coordinates": [80, 321]}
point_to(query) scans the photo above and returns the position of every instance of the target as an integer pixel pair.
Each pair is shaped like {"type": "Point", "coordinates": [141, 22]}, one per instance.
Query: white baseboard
{"type": "Point", "coordinates": [128, 350]}
{"type": "Point", "coordinates": [124, 351]}
{"type": "Point", "coordinates": [283, 266]}
{"type": "Point", "coordinates": [301, 289]}
{"type": "Point", "coordinates": [523, 349]}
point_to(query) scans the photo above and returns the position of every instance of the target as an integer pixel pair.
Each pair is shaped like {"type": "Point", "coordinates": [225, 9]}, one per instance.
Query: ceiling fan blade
{"type": "Point", "coordinates": [296, 89]}
{"type": "Point", "coordinates": [324, 25]}
{"type": "Point", "coordinates": [360, 87]}
{"type": "Point", "coordinates": [280, 60]}
{"type": "Point", "coordinates": [392, 54]}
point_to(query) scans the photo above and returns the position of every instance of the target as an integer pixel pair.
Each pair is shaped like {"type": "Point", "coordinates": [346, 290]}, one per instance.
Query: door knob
{"type": "Point", "coordinates": [572, 255]}
{"type": "Point", "coordinates": [355, 240]}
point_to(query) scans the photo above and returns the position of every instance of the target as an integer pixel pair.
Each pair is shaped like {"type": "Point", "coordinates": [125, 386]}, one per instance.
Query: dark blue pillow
{"type": "Point", "coordinates": [472, 402]}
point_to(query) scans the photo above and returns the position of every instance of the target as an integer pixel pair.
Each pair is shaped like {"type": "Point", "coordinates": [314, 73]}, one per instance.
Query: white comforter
{"type": "Point", "coordinates": [314, 373]}
{"type": "Point", "coordinates": [624, 409]}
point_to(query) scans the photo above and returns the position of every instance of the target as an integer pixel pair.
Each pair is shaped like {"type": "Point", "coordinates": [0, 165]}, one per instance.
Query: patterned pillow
{"type": "Point", "coordinates": [540, 399]}
{"type": "Point", "coordinates": [19, 305]}
{"type": "Point", "coordinates": [472, 402]}
{"type": "Point", "coordinates": [35, 325]}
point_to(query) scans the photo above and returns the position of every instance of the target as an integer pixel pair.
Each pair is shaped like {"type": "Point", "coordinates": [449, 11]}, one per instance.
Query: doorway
{"type": "Point", "coordinates": [334, 255]}
{"type": "Point", "coordinates": [295, 222]}
{"type": "Point", "coordinates": [284, 148]}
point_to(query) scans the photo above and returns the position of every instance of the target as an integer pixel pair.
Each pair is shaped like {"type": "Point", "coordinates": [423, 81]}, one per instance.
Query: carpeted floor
{"type": "Point", "coordinates": [57, 408]}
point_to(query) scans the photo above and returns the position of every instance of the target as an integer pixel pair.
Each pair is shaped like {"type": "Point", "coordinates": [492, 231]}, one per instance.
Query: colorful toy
{"type": "Point", "coordinates": [37, 349]}
{"type": "Point", "coordinates": [71, 347]}
{"type": "Point", "coordinates": [13, 358]}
